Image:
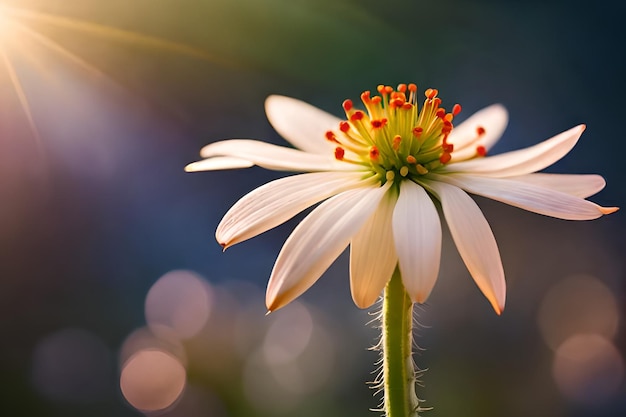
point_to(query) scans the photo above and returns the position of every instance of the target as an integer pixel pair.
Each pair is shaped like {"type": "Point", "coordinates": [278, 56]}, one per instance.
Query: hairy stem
{"type": "Point", "coordinates": [396, 343]}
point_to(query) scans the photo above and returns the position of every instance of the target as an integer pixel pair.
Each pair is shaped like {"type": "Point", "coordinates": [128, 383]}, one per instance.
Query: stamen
{"type": "Point", "coordinates": [411, 159]}
{"type": "Point", "coordinates": [374, 153]}
{"type": "Point", "coordinates": [357, 115]}
{"type": "Point", "coordinates": [445, 157]}
{"type": "Point", "coordinates": [480, 130]}
{"type": "Point", "coordinates": [347, 105]}
{"type": "Point", "coordinates": [404, 171]}
{"type": "Point", "coordinates": [396, 142]}
{"type": "Point", "coordinates": [456, 109]}
{"type": "Point", "coordinates": [377, 124]}
{"type": "Point", "coordinates": [339, 153]}
{"type": "Point", "coordinates": [481, 150]}
{"type": "Point", "coordinates": [421, 169]}
{"type": "Point", "coordinates": [390, 175]}
{"type": "Point", "coordinates": [344, 126]}
{"type": "Point", "coordinates": [330, 136]}
{"type": "Point", "coordinates": [417, 131]}
{"type": "Point", "coordinates": [431, 93]}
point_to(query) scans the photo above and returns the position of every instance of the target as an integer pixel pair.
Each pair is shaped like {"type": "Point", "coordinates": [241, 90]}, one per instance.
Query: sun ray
{"type": "Point", "coordinates": [117, 34]}
{"type": "Point", "coordinates": [21, 95]}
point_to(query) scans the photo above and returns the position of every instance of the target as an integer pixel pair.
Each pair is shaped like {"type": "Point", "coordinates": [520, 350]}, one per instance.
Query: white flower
{"type": "Point", "coordinates": [379, 174]}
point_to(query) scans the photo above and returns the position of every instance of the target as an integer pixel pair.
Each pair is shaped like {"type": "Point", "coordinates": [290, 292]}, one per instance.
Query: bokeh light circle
{"type": "Point", "coordinates": [588, 368]}
{"type": "Point", "coordinates": [578, 304]}
{"type": "Point", "coordinates": [152, 380]}
{"type": "Point", "coordinates": [180, 300]}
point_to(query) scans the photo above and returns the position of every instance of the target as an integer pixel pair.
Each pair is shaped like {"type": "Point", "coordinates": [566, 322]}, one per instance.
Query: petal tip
{"type": "Point", "coordinates": [608, 210]}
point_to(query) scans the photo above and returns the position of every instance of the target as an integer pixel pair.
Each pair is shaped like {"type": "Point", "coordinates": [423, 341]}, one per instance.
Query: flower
{"type": "Point", "coordinates": [379, 175]}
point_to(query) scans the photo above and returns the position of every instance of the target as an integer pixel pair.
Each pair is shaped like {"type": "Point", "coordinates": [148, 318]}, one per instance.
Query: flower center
{"type": "Point", "coordinates": [394, 136]}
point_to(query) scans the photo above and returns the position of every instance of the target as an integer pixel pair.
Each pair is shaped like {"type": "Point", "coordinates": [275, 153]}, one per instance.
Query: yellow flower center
{"type": "Point", "coordinates": [394, 137]}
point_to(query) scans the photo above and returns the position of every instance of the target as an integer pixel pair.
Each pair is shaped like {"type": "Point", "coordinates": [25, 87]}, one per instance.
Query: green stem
{"type": "Point", "coordinates": [397, 338]}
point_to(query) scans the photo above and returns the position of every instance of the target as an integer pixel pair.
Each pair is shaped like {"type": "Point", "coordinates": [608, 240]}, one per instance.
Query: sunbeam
{"type": "Point", "coordinates": [25, 48]}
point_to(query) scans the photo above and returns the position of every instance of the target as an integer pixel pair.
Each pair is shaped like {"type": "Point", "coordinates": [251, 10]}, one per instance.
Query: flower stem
{"type": "Point", "coordinates": [397, 339]}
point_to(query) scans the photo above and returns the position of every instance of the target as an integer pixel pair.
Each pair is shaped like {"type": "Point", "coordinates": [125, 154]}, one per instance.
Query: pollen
{"type": "Point", "coordinates": [394, 135]}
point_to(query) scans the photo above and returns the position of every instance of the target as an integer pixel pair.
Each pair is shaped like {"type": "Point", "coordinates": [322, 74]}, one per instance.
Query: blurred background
{"type": "Point", "coordinates": [115, 299]}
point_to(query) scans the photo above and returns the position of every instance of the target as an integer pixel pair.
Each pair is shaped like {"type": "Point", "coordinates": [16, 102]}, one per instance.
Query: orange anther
{"type": "Point", "coordinates": [357, 115]}
{"type": "Point", "coordinates": [381, 89]}
{"type": "Point", "coordinates": [376, 99]}
{"type": "Point", "coordinates": [445, 158]}
{"type": "Point", "coordinates": [456, 109]}
{"type": "Point", "coordinates": [344, 126]}
{"type": "Point", "coordinates": [365, 97]}
{"type": "Point", "coordinates": [402, 88]}
{"type": "Point", "coordinates": [417, 131]}
{"type": "Point", "coordinates": [481, 150]}
{"type": "Point", "coordinates": [374, 153]}
{"type": "Point", "coordinates": [388, 89]}
{"type": "Point", "coordinates": [411, 159]}
{"type": "Point", "coordinates": [339, 153]}
{"type": "Point", "coordinates": [407, 106]}
{"type": "Point", "coordinates": [437, 102]}
{"type": "Point", "coordinates": [396, 102]}
{"type": "Point", "coordinates": [396, 142]}
{"type": "Point", "coordinates": [480, 130]}
{"type": "Point", "coordinates": [448, 117]}
{"type": "Point", "coordinates": [412, 88]}
{"type": "Point", "coordinates": [431, 93]}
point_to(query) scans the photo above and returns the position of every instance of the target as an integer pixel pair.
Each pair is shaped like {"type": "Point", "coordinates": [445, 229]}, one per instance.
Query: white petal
{"type": "Point", "coordinates": [317, 241]}
{"type": "Point", "coordinates": [582, 186]}
{"type": "Point", "coordinates": [302, 124]}
{"type": "Point", "coordinates": [465, 138]}
{"type": "Point", "coordinates": [276, 202]}
{"type": "Point", "coordinates": [218, 163]}
{"type": "Point", "coordinates": [474, 241]}
{"type": "Point", "coordinates": [523, 161]}
{"type": "Point", "coordinates": [417, 234]}
{"type": "Point", "coordinates": [527, 196]}
{"type": "Point", "coordinates": [372, 255]}
{"type": "Point", "coordinates": [274, 157]}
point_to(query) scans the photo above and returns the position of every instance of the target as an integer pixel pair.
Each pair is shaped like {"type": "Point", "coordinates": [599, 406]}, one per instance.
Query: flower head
{"type": "Point", "coordinates": [377, 174]}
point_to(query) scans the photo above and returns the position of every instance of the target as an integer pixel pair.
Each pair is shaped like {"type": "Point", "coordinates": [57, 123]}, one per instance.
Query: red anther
{"type": "Point", "coordinates": [481, 150]}
{"type": "Point", "coordinates": [376, 100]}
{"type": "Point", "coordinates": [447, 147]}
{"type": "Point", "coordinates": [396, 102]}
{"type": "Point", "coordinates": [331, 137]}
{"type": "Point", "coordinates": [456, 109]}
{"type": "Point", "coordinates": [441, 112]}
{"type": "Point", "coordinates": [412, 88]}
{"type": "Point", "coordinates": [377, 124]}
{"type": "Point", "coordinates": [407, 106]}
{"type": "Point", "coordinates": [431, 93]}
{"type": "Point", "coordinates": [347, 105]}
{"type": "Point", "coordinates": [445, 157]}
{"type": "Point", "coordinates": [339, 153]}
{"type": "Point", "coordinates": [411, 159]}
{"type": "Point", "coordinates": [401, 88]}
{"type": "Point", "coordinates": [437, 102]}
{"type": "Point", "coordinates": [365, 96]}
{"type": "Point", "coordinates": [480, 130]}
{"type": "Point", "coordinates": [396, 142]}
{"type": "Point", "coordinates": [417, 131]}
{"type": "Point", "coordinates": [446, 129]}
{"type": "Point", "coordinates": [344, 126]}
{"type": "Point", "coordinates": [357, 115]}
{"type": "Point", "coordinates": [374, 153]}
